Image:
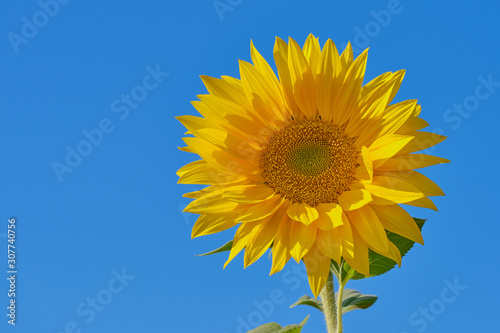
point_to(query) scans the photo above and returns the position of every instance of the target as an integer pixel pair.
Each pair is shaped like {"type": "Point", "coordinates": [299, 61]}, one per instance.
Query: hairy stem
{"type": "Point", "coordinates": [339, 308]}
{"type": "Point", "coordinates": [328, 298]}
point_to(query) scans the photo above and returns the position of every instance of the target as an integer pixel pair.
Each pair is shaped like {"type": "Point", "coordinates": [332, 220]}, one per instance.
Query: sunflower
{"type": "Point", "coordinates": [310, 163]}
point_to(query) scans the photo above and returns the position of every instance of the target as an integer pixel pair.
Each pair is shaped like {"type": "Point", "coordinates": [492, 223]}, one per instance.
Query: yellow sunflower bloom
{"type": "Point", "coordinates": [312, 162]}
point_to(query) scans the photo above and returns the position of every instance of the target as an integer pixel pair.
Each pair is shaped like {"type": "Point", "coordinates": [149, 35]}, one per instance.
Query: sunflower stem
{"type": "Point", "coordinates": [340, 328]}
{"type": "Point", "coordinates": [328, 298]}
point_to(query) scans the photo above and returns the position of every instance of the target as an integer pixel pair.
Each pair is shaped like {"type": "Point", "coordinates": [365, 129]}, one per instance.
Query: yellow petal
{"type": "Point", "coordinates": [330, 243]}
{"type": "Point", "coordinates": [249, 193]}
{"type": "Point", "coordinates": [355, 199]}
{"type": "Point", "coordinates": [360, 259]}
{"type": "Point", "coordinates": [423, 202]}
{"type": "Point", "coordinates": [230, 143]}
{"type": "Point", "coordinates": [347, 238]}
{"type": "Point", "coordinates": [207, 225]}
{"type": "Point", "coordinates": [364, 171]}
{"type": "Point", "coordinates": [411, 161]}
{"type": "Point", "coordinates": [302, 79]}
{"type": "Point", "coordinates": [227, 88]}
{"type": "Point", "coordinates": [262, 239]}
{"type": "Point", "coordinates": [412, 124]}
{"type": "Point", "coordinates": [368, 225]}
{"type": "Point", "coordinates": [399, 79]}
{"type": "Point", "coordinates": [393, 189]}
{"type": "Point", "coordinates": [229, 114]}
{"type": "Point", "coordinates": [261, 64]}
{"type": "Point", "coordinates": [193, 124]}
{"type": "Point", "coordinates": [190, 166]}
{"type": "Point", "coordinates": [213, 203]}
{"type": "Point", "coordinates": [397, 76]}
{"type": "Point", "coordinates": [415, 178]}
{"type": "Point", "coordinates": [219, 158]}
{"type": "Point", "coordinates": [417, 110]}
{"type": "Point", "coordinates": [422, 140]}
{"type": "Point", "coordinates": [281, 58]}
{"type": "Point", "coordinates": [280, 250]}
{"type": "Point", "coordinates": [318, 267]}
{"type": "Point", "coordinates": [241, 238]}
{"type": "Point", "coordinates": [327, 79]}
{"type": "Point", "coordinates": [301, 239]}
{"type": "Point", "coordinates": [266, 99]}
{"type": "Point", "coordinates": [302, 212]}
{"type": "Point", "coordinates": [395, 116]}
{"type": "Point", "coordinates": [346, 58]}
{"type": "Point", "coordinates": [386, 147]}
{"type": "Point", "coordinates": [186, 149]}
{"type": "Point", "coordinates": [200, 193]}
{"type": "Point", "coordinates": [366, 120]}
{"type": "Point", "coordinates": [200, 172]}
{"type": "Point", "coordinates": [347, 97]}
{"type": "Point", "coordinates": [393, 253]}
{"type": "Point", "coordinates": [218, 109]}
{"type": "Point", "coordinates": [370, 86]}
{"type": "Point", "coordinates": [312, 51]}
{"type": "Point", "coordinates": [397, 220]}
{"type": "Point", "coordinates": [330, 216]}
{"type": "Point", "coordinates": [324, 221]}
{"type": "Point", "coordinates": [261, 210]}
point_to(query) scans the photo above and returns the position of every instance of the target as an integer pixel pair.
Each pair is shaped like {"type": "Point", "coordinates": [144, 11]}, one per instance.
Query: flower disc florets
{"type": "Point", "coordinates": [309, 161]}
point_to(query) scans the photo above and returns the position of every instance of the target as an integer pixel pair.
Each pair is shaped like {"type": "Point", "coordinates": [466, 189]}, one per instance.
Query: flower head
{"type": "Point", "coordinates": [310, 162]}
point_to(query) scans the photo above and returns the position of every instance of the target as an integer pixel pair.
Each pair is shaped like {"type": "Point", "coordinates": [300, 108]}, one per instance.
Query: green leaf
{"type": "Point", "coordinates": [276, 328]}
{"type": "Point", "coordinates": [353, 299]}
{"type": "Point", "coordinates": [267, 328]}
{"type": "Point", "coordinates": [223, 248]}
{"type": "Point", "coordinates": [308, 300]}
{"type": "Point", "coordinates": [294, 328]}
{"type": "Point", "coordinates": [380, 264]}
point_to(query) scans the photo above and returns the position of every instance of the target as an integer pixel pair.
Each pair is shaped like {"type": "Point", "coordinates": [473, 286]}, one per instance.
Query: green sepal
{"type": "Point", "coordinates": [223, 248]}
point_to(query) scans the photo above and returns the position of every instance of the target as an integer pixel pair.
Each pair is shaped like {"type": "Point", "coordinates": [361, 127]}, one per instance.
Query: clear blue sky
{"type": "Point", "coordinates": [102, 245]}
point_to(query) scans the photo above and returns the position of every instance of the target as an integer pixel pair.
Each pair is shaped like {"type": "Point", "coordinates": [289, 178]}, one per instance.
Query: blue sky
{"type": "Point", "coordinates": [89, 152]}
